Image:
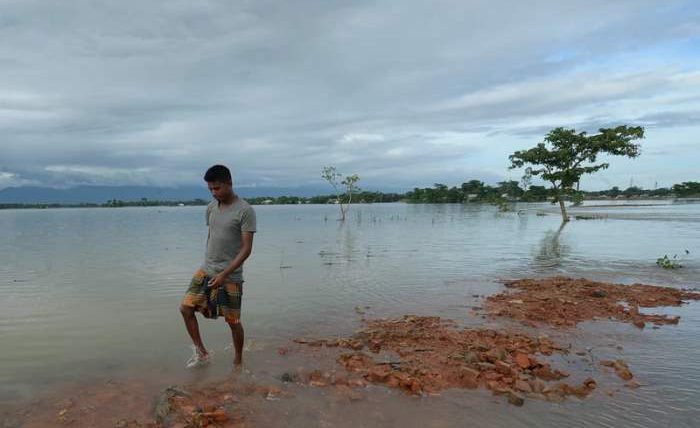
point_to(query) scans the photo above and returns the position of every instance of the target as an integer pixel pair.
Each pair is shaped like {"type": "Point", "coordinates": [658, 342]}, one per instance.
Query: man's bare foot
{"type": "Point", "coordinates": [238, 370]}
{"type": "Point", "coordinates": [200, 357]}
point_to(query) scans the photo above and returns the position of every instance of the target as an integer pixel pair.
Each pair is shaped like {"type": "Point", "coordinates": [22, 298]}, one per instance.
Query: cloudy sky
{"type": "Point", "coordinates": [404, 93]}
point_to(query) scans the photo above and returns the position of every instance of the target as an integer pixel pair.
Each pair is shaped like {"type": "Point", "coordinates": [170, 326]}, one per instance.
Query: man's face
{"type": "Point", "coordinates": [220, 191]}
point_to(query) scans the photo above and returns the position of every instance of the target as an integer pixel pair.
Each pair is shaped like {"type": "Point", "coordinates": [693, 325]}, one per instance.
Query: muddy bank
{"type": "Point", "coordinates": [100, 404]}
{"type": "Point", "coordinates": [425, 355]}
{"type": "Point", "coordinates": [418, 355]}
{"type": "Point", "coordinates": [131, 403]}
{"type": "Point", "coordinates": [564, 302]}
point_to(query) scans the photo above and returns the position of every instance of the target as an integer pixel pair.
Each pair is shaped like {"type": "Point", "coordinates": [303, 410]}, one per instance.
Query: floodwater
{"type": "Point", "coordinates": [89, 294]}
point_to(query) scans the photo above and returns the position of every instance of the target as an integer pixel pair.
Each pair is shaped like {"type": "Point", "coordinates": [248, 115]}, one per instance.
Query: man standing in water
{"type": "Point", "coordinates": [217, 287]}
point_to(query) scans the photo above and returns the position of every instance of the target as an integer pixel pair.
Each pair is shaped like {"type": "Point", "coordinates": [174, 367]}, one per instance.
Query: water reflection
{"type": "Point", "coordinates": [551, 252]}
{"type": "Point", "coordinates": [346, 240]}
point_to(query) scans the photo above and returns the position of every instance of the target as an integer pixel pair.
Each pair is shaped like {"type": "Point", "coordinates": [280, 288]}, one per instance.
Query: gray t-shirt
{"type": "Point", "coordinates": [224, 240]}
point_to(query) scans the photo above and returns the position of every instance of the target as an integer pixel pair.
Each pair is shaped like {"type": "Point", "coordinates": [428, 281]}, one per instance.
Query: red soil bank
{"type": "Point", "coordinates": [564, 302]}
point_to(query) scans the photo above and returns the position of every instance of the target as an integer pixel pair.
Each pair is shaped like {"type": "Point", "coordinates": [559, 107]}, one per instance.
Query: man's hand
{"type": "Point", "coordinates": [217, 281]}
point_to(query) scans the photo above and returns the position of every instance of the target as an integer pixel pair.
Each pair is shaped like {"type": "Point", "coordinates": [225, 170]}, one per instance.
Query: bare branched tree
{"type": "Point", "coordinates": [344, 188]}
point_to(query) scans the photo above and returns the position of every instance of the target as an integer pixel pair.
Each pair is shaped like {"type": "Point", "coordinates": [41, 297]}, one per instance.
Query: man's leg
{"type": "Point", "coordinates": [231, 306]}
{"type": "Point", "coordinates": [193, 329]}
{"type": "Point", "coordinates": [237, 335]}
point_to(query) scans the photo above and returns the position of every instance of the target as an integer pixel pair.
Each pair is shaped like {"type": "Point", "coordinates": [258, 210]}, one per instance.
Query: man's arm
{"type": "Point", "coordinates": [243, 254]}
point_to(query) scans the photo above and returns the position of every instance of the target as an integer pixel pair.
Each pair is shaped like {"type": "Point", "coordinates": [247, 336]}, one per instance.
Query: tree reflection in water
{"type": "Point", "coordinates": [551, 251]}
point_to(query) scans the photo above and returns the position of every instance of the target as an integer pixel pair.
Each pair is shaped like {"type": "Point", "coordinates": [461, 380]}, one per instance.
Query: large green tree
{"type": "Point", "coordinates": [565, 156]}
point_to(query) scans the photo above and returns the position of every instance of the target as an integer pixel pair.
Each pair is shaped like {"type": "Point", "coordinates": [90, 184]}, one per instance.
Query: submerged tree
{"type": "Point", "coordinates": [566, 155]}
{"type": "Point", "coordinates": [344, 187]}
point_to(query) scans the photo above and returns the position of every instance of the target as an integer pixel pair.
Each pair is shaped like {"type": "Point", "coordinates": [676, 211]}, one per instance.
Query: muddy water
{"type": "Point", "coordinates": [92, 294]}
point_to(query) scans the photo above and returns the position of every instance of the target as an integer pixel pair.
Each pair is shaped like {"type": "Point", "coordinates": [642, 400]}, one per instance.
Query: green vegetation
{"type": "Point", "coordinates": [363, 197]}
{"type": "Point", "coordinates": [668, 263]}
{"type": "Point", "coordinates": [565, 156]}
{"type": "Point", "coordinates": [145, 202]}
{"type": "Point", "coordinates": [475, 191]}
{"type": "Point", "coordinates": [577, 198]}
{"type": "Point", "coordinates": [687, 189]}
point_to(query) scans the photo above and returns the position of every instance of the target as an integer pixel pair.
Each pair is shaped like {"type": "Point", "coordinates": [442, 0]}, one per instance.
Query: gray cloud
{"type": "Point", "coordinates": [403, 93]}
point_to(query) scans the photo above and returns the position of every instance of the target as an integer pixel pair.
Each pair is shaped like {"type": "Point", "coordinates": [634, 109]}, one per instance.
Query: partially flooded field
{"type": "Point", "coordinates": [403, 316]}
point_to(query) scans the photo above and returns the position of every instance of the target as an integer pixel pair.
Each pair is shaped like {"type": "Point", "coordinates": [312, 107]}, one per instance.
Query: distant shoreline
{"type": "Point", "coordinates": [473, 191]}
{"type": "Point", "coordinates": [307, 201]}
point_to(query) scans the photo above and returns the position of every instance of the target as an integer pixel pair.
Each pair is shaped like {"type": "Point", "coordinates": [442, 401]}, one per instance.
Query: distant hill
{"type": "Point", "coordinates": [102, 194]}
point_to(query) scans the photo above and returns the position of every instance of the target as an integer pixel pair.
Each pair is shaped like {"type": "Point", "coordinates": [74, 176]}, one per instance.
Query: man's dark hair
{"type": "Point", "coordinates": [218, 174]}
